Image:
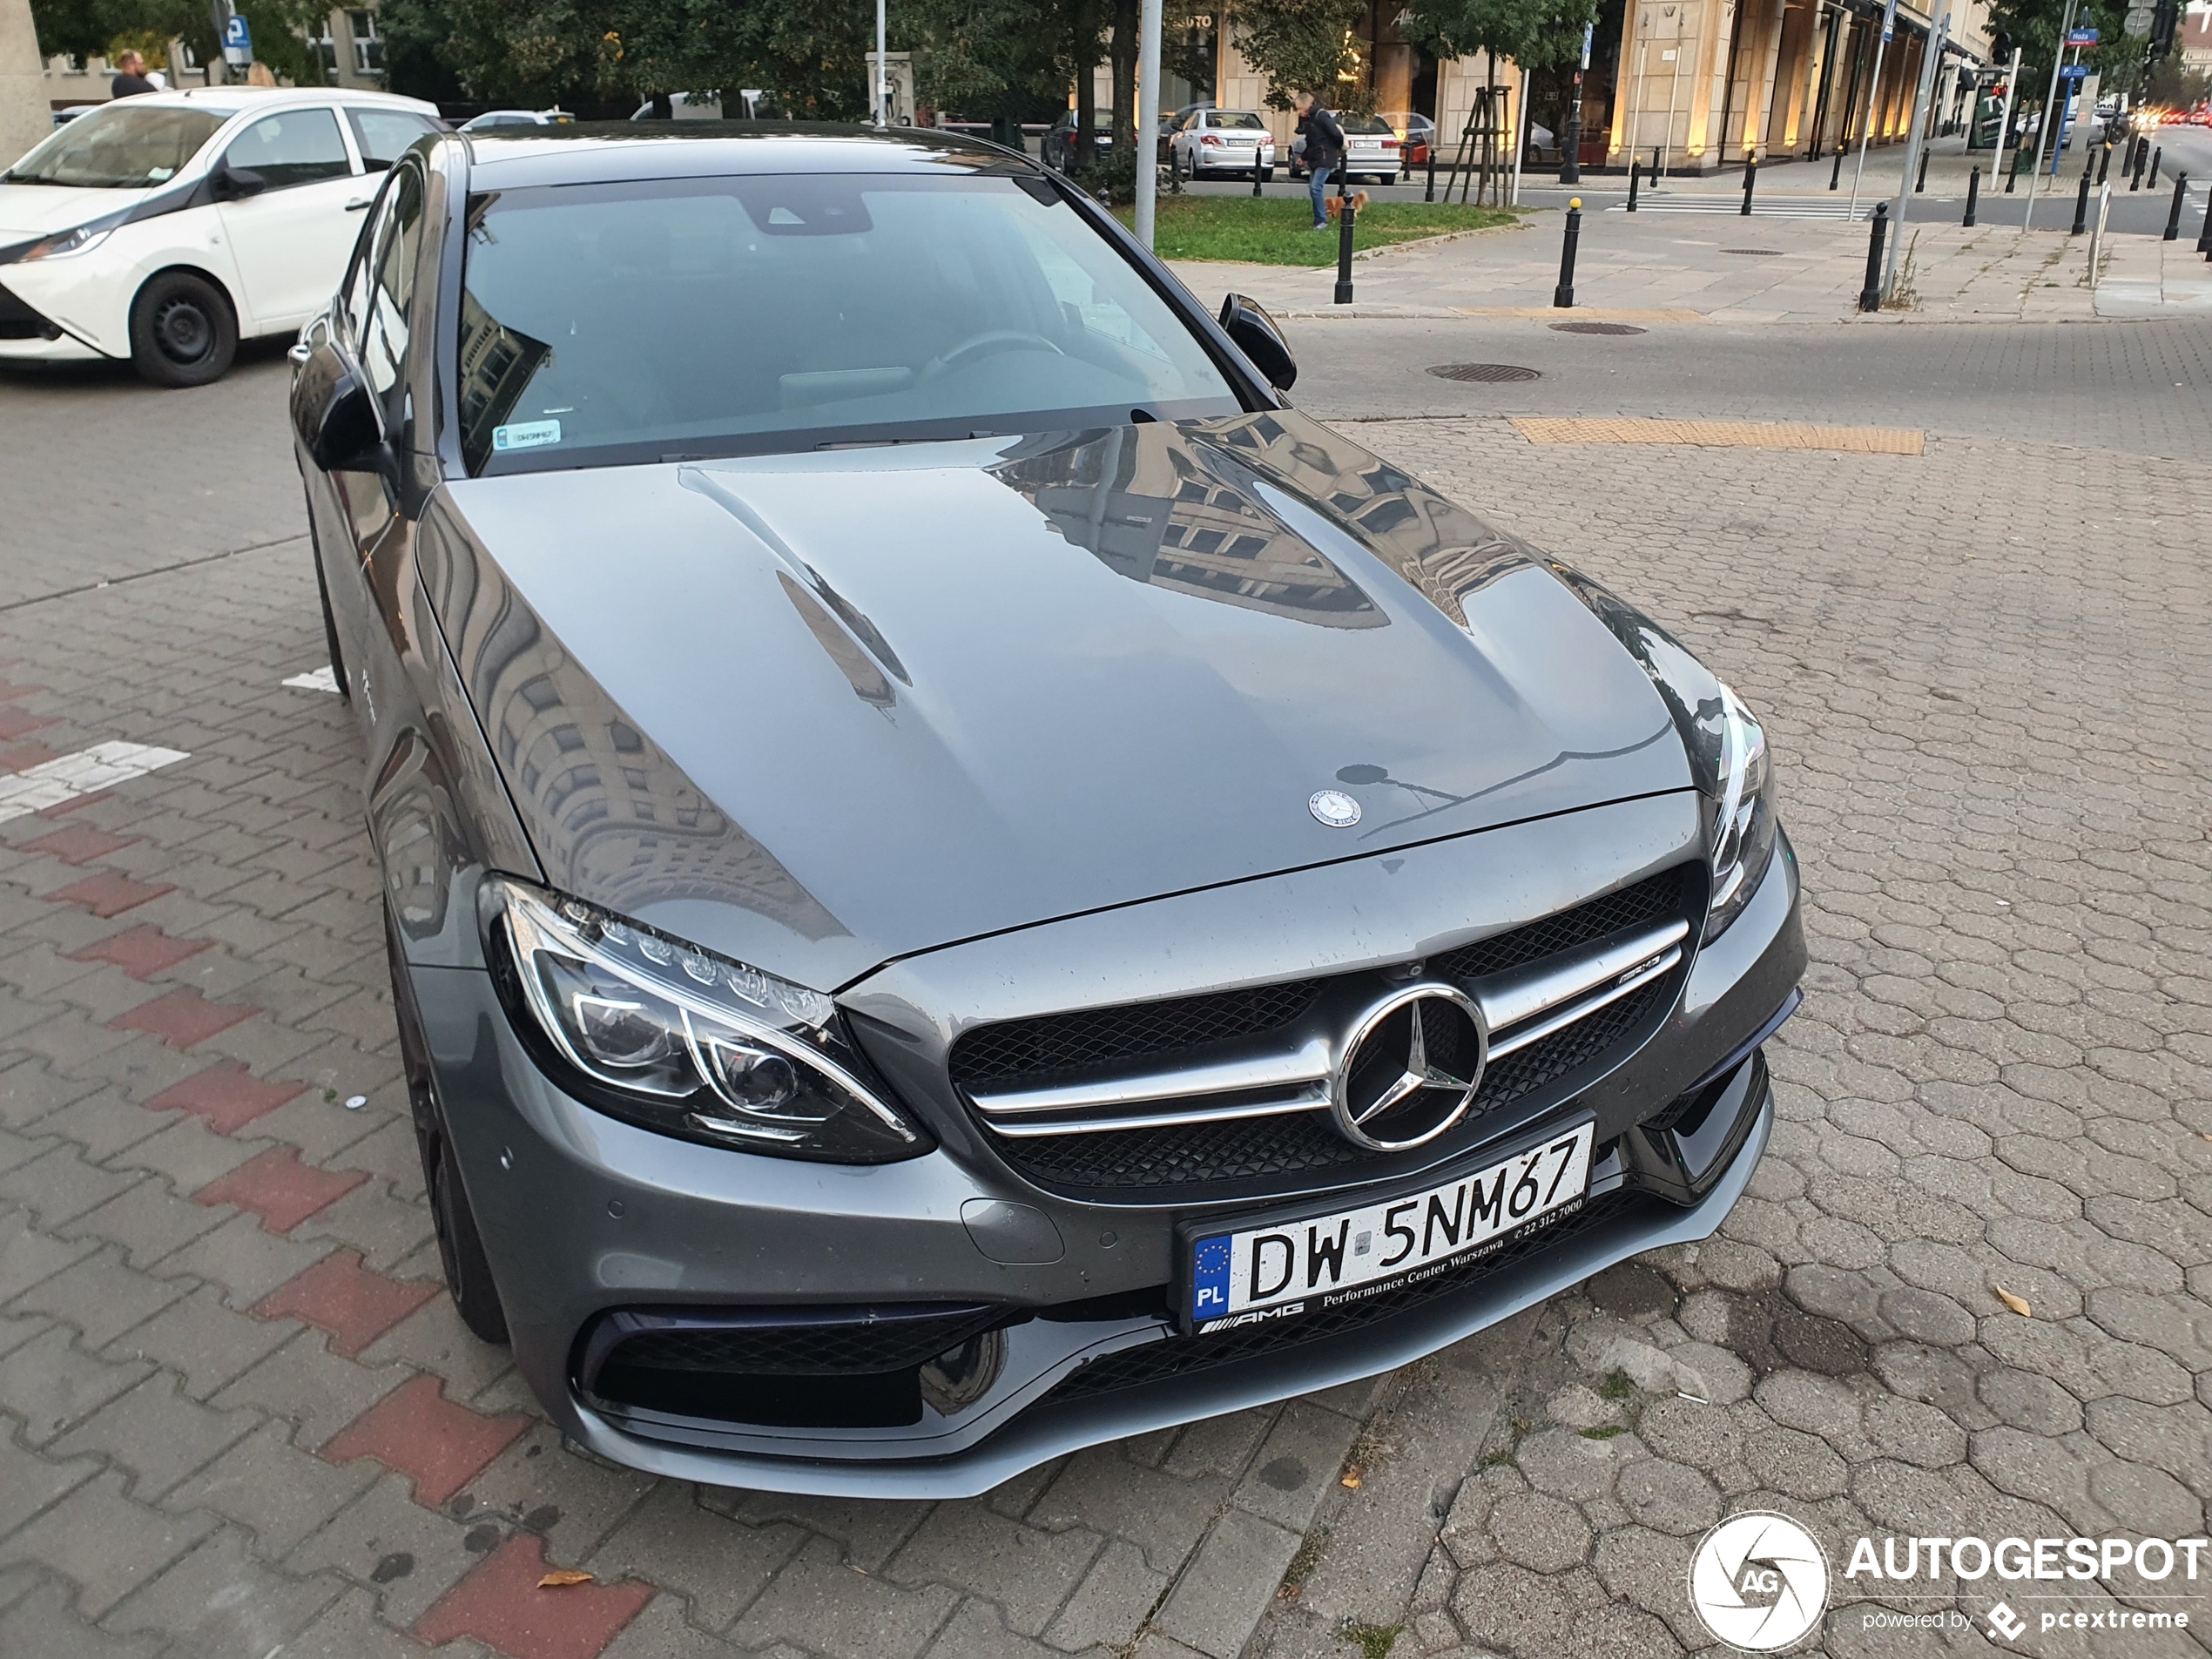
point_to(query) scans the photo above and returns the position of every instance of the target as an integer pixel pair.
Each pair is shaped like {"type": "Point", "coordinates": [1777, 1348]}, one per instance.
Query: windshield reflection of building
{"type": "Point", "coordinates": [497, 364]}
{"type": "Point", "coordinates": [627, 826]}
{"type": "Point", "coordinates": [1137, 500]}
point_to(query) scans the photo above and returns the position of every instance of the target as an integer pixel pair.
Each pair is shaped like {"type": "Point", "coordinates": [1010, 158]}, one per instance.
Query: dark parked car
{"type": "Point", "coordinates": [961, 880]}
{"type": "Point", "coordinates": [1058, 148]}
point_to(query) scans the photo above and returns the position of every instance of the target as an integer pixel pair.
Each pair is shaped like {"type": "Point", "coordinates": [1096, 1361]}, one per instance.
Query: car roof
{"type": "Point", "coordinates": [595, 152]}
{"type": "Point", "coordinates": [237, 100]}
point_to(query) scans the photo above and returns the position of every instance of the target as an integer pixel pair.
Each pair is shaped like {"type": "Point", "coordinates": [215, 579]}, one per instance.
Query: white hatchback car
{"type": "Point", "coordinates": [165, 227]}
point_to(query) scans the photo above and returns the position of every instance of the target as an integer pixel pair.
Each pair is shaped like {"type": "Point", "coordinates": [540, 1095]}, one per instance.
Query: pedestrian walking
{"type": "Point", "coordinates": [1323, 152]}
{"type": "Point", "coordinates": [130, 76]}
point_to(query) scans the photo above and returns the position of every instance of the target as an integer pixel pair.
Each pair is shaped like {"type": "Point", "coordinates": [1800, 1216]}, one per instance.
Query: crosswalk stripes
{"type": "Point", "coordinates": [1725, 206]}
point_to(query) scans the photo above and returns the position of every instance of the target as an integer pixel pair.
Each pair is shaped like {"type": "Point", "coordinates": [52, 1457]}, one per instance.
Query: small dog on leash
{"type": "Point", "coordinates": [1336, 203]}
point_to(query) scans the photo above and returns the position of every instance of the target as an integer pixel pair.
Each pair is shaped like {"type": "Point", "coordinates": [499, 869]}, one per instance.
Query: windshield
{"type": "Point", "coordinates": [122, 145]}
{"type": "Point", "coordinates": [1237, 120]}
{"type": "Point", "coordinates": [1364, 124]}
{"type": "Point", "coordinates": [725, 316]}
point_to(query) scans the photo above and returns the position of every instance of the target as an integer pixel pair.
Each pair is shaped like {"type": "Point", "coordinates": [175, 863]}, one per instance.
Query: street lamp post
{"type": "Point", "coordinates": [1570, 152]}
{"type": "Point", "coordinates": [882, 118]}
{"type": "Point", "coordinates": [1148, 96]}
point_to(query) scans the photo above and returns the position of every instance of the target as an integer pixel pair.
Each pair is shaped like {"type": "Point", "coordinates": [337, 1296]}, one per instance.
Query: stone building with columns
{"type": "Point", "coordinates": [1697, 83]}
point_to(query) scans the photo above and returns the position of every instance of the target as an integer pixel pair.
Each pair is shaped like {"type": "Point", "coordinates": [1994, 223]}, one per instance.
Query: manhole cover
{"type": "Point", "coordinates": [1483, 372]}
{"type": "Point", "coordinates": [1595, 328]}
{"type": "Point", "coordinates": [1756, 253]}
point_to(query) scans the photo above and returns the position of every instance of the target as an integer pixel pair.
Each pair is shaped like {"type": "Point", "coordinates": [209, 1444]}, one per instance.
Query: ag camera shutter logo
{"type": "Point", "coordinates": [1759, 1582]}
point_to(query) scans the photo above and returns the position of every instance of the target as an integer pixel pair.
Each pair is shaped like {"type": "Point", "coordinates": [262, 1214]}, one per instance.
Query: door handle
{"type": "Point", "coordinates": [355, 207]}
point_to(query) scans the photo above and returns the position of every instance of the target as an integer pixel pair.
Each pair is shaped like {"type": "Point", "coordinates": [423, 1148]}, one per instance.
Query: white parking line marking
{"type": "Point", "coordinates": [82, 773]}
{"type": "Point", "coordinates": [323, 679]}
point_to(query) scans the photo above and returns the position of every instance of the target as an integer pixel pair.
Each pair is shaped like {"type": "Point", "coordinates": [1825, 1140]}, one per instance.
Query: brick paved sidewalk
{"type": "Point", "coordinates": [238, 1418]}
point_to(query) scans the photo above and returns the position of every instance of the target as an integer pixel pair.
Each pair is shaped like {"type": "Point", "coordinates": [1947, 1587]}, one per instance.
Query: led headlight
{"type": "Point", "coordinates": [657, 1031]}
{"type": "Point", "coordinates": [1726, 745]}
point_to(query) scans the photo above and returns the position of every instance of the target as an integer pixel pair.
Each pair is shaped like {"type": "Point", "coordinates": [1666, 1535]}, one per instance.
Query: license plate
{"type": "Point", "coordinates": [1286, 1270]}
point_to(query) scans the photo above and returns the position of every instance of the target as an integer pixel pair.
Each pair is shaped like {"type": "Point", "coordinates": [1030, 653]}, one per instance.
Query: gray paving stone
{"type": "Point", "coordinates": [383, 1541]}
{"type": "Point", "coordinates": [159, 1436]}
{"type": "Point", "coordinates": [1296, 1466]}
{"type": "Point", "coordinates": [824, 1604]}
{"type": "Point", "coordinates": [1026, 1571]}
{"type": "Point", "coordinates": [219, 1602]}
{"type": "Point", "coordinates": [717, 1565]}
{"type": "Point", "coordinates": [51, 1383]}
{"type": "Point", "coordinates": [1227, 1585]}
{"type": "Point", "coordinates": [269, 1486]}
{"type": "Point", "coordinates": [103, 1543]}
{"type": "Point", "coordinates": [1111, 1604]}
{"type": "Point", "coordinates": [1162, 1515]}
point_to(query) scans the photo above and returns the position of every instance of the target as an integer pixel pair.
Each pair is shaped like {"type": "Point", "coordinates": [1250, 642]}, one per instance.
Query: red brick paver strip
{"type": "Point", "coordinates": [78, 844]}
{"type": "Point", "coordinates": [108, 895]}
{"type": "Point", "coordinates": [279, 1189]}
{"type": "Point", "coordinates": [15, 723]}
{"type": "Point", "coordinates": [225, 1096]}
{"type": "Point", "coordinates": [500, 1605]}
{"type": "Point", "coordinates": [440, 1446]}
{"type": "Point", "coordinates": [355, 1304]}
{"type": "Point", "coordinates": [140, 952]}
{"type": "Point", "coordinates": [182, 1018]}
{"type": "Point", "coordinates": [8, 693]}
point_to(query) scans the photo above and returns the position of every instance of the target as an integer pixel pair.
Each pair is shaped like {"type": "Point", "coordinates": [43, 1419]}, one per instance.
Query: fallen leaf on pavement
{"type": "Point", "coordinates": [2017, 1303]}
{"type": "Point", "coordinates": [562, 1576]}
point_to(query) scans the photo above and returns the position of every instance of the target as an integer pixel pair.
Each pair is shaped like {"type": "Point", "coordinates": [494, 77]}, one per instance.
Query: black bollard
{"type": "Point", "coordinates": [1870, 297]}
{"type": "Point", "coordinates": [2081, 206]}
{"type": "Point", "coordinates": [2205, 236]}
{"type": "Point", "coordinates": [1921, 183]}
{"type": "Point", "coordinates": [2174, 215]}
{"type": "Point", "coordinates": [1563, 296]}
{"type": "Point", "coordinates": [1751, 178]}
{"type": "Point", "coordinates": [1255, 172]}
{"type": "Point", "coordinates": [1429, 195]}
{"type": "Point", "coordinates": [1836, 173]}
{"type": "Point", "coordinates": [2135, 165]}
{"type": "Point", "coordinates": [1635, 168]}
{"type": "Point", "coordinates": [2158, 156]}
{"type": "Point", "coordinates": [1973, 197]}
{"type": "Point", "coordinates": [2013, 173]}
{"type": "Point", "coordinates": [1344, 250]}
{"type": "Point", "coordinates": [2104, 164]}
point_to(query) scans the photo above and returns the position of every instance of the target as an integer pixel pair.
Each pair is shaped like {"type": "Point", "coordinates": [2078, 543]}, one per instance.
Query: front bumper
{"type": "Point", "coordinates": [583, 1215]}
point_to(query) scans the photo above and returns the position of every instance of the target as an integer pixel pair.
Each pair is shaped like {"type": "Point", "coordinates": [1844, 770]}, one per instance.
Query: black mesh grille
{"type": "Point", "coordinates": [1659, 899]}
{"type": "Point", "coordinates": [1254, 1152]}
{"type": "Point", "coordinates": [843, 1348]}
{"type": "Point", "coordinates": [1068, 1041]}
{"type": "Point", "coordinates": [1254, 1149]}
{"type": "Point", "coordinates": [1180, 1356]}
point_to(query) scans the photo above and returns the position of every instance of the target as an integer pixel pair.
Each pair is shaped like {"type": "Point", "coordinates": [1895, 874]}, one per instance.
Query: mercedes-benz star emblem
{"type": "Point", "coordinates": [1334, 808]}
{"type": "Point", "coordinates": [1411, 1069]}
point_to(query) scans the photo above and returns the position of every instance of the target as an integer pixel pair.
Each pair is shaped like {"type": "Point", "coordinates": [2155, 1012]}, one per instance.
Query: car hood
{"type": "Point", "coordinates": [27, 210]}
{"type": "Point", "coordinates": [818, 711]}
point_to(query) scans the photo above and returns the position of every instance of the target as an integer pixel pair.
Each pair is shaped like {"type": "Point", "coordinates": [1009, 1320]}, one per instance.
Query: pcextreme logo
{"type": "Point", "coordinates": [1759, 1582]}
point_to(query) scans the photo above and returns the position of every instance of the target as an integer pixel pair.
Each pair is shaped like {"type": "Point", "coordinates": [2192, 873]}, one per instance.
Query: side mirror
{"type": "Point", "coordinates": [233, 184]}
{"type": "Point", "coordinates": [1256, 336]}
{"type": "Point", "coordinates": [346, 437]}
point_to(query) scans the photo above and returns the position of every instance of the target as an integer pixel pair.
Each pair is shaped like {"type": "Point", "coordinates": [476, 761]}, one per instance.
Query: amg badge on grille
{"type": "Point", "coordinates": [1334, 808]}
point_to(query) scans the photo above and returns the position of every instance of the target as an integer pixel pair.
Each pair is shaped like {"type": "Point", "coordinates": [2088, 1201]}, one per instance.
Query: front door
{"type": "Point", "coordinates": [290, 239]}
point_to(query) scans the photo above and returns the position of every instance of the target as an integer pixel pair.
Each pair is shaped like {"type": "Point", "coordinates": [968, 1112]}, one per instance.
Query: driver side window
{"type": "Point", "coordinates": [382, 340]}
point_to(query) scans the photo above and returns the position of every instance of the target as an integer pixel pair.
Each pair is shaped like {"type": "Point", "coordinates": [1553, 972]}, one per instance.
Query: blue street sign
{"type": "Point", "coordinates": [2073, 72]}
{"type": "Point", "coordinates": [1889, 19]}
{"type": "Point", "coordinates": [236, 36]}
{"type": "Point", "coordinates": [2082, 38]}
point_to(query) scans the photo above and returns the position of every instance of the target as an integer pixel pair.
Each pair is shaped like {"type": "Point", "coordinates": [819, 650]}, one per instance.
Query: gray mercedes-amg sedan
{"type": "Point", "coordinates": [961, 880]}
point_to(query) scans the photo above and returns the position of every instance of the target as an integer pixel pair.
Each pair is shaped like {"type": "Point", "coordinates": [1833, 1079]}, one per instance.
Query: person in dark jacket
{"type": "Point", "coordinates": [1323, 152]}
{"type": "Point", "coordinates": [130, 76]}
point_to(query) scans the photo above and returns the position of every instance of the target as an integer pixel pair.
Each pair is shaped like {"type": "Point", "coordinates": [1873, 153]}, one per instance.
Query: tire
{"type": "Point", "coordinates": [329, 621]}
{"type": "Point", "coordinates": [461, 1247]}
{"type": "Point", "coordinates": [183, 331]}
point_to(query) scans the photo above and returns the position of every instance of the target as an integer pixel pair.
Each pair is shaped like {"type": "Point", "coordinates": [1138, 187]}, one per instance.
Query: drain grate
{"type": "Point", "coordinates": [1756, 253]}
{"type": "Point", "coordinates": [1595, 328]}
{"type": "Point", "coordinates": [1488, 372]}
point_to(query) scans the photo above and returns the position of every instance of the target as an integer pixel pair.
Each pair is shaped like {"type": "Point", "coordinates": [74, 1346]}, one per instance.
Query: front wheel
{"type": "Point", "coordinates": [183, 332]}
{"type": "Point", "coordinates": [461, 1248]}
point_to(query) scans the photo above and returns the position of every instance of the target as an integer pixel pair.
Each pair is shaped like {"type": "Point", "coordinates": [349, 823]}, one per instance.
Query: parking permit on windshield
{"type": "Point", "coordinates": [528, 434]}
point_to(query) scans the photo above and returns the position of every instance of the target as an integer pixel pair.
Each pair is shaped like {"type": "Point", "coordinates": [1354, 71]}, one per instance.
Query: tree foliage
{"type": "Point", "coordinates": [1535, 33]}
{"type": "Point", "coordinates": [1306, 46]}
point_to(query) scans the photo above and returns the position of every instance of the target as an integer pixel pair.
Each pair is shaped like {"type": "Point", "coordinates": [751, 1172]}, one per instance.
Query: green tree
{"type": "Point", "coordinates": [1306, 46]}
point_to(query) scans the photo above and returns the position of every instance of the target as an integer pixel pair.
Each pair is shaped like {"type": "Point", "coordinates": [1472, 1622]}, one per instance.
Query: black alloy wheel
{"type": "Point", "coordinates": [183, 332]}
